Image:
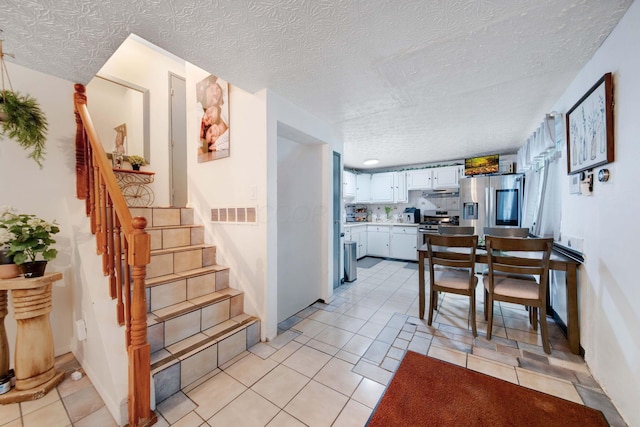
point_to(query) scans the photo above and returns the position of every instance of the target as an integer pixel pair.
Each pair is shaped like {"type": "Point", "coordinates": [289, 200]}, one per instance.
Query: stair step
{"type": "Point", "coordinates": [175, 310]}
{"type": "Point", "coordinates": [180, 259]}
{"type": "Point", "coordinates": [163, 216]}
{"type": "Point", "coordinates": [175, 236]}
{"type": "Point", "coordinates": [188, 360]}
{"type": "Point", "coordinates": [163, 291]}
{"type": "Point", "coordinates": [181, 320]}
{"type": "Point", "coordinates": [159, 280]}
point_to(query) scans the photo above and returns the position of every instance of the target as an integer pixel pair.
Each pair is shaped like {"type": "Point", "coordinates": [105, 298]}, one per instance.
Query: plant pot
{"type": "Point", "coordinates": [8, 269]}
{"type": "Point", "coordinates": [136, 167]}
{"type": "Point", "coordinates": [33, 269]}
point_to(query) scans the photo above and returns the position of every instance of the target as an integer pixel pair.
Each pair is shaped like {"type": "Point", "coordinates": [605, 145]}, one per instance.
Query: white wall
{"type": "Point", "coordinates": [50, 193]}
{"type": "Point", "coordinates": [608, 222]}
{"type": "Point", "coordinates": [281, 111]}
{"type": "Point", "coordinates": [300, 226]}
{"type": "Point", "coordinates": [137, 63]}
{"type": "Point", "coordinates": [232, 182]}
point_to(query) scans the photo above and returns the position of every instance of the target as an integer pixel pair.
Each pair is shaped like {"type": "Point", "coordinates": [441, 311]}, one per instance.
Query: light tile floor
{"type": "Point", "coordinates": [330, 363]}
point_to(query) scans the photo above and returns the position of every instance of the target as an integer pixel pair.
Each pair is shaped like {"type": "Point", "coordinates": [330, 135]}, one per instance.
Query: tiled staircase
{"type": "Point", "coordinates": [195, 321]}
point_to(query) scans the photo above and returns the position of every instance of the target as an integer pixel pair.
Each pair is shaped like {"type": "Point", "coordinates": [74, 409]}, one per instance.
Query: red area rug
{"type": "Point", "coordinates": [430, 392]}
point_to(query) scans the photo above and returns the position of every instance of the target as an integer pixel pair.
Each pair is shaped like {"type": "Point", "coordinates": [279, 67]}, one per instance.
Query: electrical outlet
{"type": "Point", "coordinates": [81, 330]}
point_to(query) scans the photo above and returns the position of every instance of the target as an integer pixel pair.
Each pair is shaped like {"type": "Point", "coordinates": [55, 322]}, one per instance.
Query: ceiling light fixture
{"type": "Point", "coordinates": [370, 162]}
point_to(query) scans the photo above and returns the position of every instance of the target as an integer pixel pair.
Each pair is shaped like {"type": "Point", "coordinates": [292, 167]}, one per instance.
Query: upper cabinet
{"type": "Point", "coordinates": [393, 187]}
{"type": "Point", "coordinates": [363, 188]}
{"type": "Point", "coordinates": [382, 187]}
{"type": "Point", "coordinates": [401, 195]}
{"type": "Point", "coordinates": [445, 177]}
{"type": "Point", "coordinates": [419, 179]}
{"type": "Point", "coordinates": [349, 185]}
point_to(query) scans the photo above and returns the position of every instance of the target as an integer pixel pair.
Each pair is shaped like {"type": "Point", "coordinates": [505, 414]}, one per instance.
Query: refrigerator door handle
{"type": "Point", "coordinates": [487, 208]}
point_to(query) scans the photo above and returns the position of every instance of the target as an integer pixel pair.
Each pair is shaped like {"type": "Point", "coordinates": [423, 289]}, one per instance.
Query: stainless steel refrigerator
{"type": "Point", "coordinates": [491, 201]}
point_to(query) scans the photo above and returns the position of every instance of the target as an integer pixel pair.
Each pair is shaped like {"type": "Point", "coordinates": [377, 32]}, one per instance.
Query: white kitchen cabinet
{"type": "Point", "coordinates": [359, 235]}
{"type": "Point", "coordinates": [404, 243]}
{"type": "Point", "coordinates": [445, 177]}
{"type": "Point", "coordinates": [382, 187]}
{"type": "Point", "coordinates": [363, 188]}
{"type": "Point", "coordinates": [378, 240]}
{"type": "Point", "coordinates": [400, 195]}
{"type": "Point", "coordinates": [347, 234]}
{"type": "Point", "coordinates": [419, 179]}
{"type": "Point", "coordinates": [349, 185]}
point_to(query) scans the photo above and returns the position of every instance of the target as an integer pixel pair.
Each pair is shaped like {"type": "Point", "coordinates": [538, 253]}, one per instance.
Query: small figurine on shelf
{"type": "Point", "coordinates": [136, 162]}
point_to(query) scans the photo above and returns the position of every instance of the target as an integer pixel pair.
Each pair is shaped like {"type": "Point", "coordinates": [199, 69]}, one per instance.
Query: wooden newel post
{"type": "Point", "coordinates": [139, 349]}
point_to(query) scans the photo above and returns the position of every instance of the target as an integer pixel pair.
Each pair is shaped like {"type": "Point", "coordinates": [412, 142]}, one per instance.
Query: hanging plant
{"type": "Point", "coordinates": [23, 121]}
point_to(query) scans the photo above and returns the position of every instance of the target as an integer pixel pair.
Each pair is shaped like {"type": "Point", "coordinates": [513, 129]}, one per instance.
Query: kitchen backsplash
{"type": "Point", "coordinates": [416, 200]}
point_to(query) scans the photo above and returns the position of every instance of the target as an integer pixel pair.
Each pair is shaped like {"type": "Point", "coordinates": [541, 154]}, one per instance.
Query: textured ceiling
{"type": "Point", "coordinates": [404, 81]}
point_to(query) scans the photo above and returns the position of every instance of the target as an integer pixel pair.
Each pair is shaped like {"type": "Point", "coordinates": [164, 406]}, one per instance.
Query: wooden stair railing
{"type": "Point", "coordinates": [119, 237]}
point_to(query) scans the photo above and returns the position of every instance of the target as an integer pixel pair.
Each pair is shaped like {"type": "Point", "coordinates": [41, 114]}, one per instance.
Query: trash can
{"type": "Point", "coordinates": [350, 261]}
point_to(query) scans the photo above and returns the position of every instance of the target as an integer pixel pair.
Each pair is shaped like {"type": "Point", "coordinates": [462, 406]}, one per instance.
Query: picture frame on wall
{"type": "Point", "coordinates": [590, 128]}
{"type": "Point", "coordinates": [212, 94]}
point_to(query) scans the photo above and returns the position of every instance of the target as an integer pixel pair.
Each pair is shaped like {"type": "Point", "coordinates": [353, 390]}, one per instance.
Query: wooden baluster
{"type": "Point", "coordinates": [139, 350]}
{"type": "Point", "coordinates": [97, 212]}
{"type": "Point", "coordinates": [111, 252]}
{"type": "Point", "coordinates": [117, 257]}
{"type": "Point", "coordinates": [104, 250]}
{"type": "Point", "coordinates": [91, 203]}
{"type": "Point", "coordinates": [127, 293]}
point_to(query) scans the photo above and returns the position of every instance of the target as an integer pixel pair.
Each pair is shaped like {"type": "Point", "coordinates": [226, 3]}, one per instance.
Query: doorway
{"type": "Point", "coordinates": [177, 141]}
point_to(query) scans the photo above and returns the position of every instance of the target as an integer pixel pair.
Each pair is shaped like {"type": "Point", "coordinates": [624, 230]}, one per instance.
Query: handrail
{"type": "Point", "coordinates": [118, 237]}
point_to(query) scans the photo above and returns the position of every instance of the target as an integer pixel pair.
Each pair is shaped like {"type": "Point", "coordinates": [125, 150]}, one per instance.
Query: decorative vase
{"type": "Point", "coordinates": [8, 269]}
{"type": "Point", "coordinates": [136, 167]}
{"type": "Point", "coordinates": [33, 269]}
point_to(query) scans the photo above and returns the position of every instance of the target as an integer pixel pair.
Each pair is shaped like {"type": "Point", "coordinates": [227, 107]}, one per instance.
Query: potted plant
{"type": "Point", "coordinates": [22, 120]}
{"type": "Point", "coordinates": [136, 161]}
{"type": "Point", "coordinates": [30, 241]}
{"type": "Point", "coordinates": [8, 268]}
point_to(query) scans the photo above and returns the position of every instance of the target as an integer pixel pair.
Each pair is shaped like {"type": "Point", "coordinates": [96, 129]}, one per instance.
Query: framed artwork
{"type": "Point", "coordinates": [212, 94]}
{"type": "Point", "coordinates": [590, 128]}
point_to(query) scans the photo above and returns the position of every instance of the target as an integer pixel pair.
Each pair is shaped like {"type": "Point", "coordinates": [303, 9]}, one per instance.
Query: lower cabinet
{"type": "Point", "coordinates": [404, 243]}
{"type": "Point", "coordinates": [388, 241]}
{"type": "Point", "coordinates": [378, 240]}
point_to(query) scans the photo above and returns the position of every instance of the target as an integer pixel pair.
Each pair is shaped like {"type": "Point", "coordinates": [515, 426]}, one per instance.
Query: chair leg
{"type": "Point", "coordinates": [432, 297]}
{"type": "Point", "coordinates": [490, 321]}
{"type": "Point", "coordinates": [534, 317]}
{"type": "Point", "coordinates": [486, 296]}
{"type": "Point", "coordinates": [473, 313]}
{"type": "Point", "coordinates": [543, 329]}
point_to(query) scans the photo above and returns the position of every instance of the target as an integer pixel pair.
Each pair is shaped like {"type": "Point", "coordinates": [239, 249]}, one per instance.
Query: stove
{"type": "Point", "coordinates": [433, 220]}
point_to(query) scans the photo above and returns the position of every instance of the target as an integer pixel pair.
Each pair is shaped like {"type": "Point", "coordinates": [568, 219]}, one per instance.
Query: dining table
{"type": "Point", "coordinates": [559, 262]}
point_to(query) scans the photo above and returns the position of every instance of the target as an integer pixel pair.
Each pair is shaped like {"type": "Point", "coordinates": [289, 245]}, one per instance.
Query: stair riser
{"type": "Point", "coordinates": [195, 365]}
{"type": "Point", "coordinates": [167, 238]}
{"type": "Point", "coordinates": [181, 327]}
{"type": "Point", "coordinates": [161, 217]}
{"type": "Point", "coordinates": [180, 290]}
{"type": "Point", "coordinates": [177, 262]}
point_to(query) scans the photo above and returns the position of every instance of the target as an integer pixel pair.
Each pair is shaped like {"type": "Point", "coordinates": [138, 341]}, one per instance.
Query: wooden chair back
{"type": "Point", "coordinates": [454, 251]}
{"type": "Point", "coordinates": [451, 230]}
{"type": "Point", "coordinates": [512, 255]}
{"type": "Point", "coordinates": [506, 231]}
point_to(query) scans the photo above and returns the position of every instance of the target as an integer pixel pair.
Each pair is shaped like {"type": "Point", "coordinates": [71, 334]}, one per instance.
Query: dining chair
{"type": "Point", "coordinates": [451, 230]}
{"type": "Point", "coordinates": [509, 256]}
{"type": "Point", "coordinates": [451, 269]}
{"type": "Point", "coordinates": [506, 231]}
